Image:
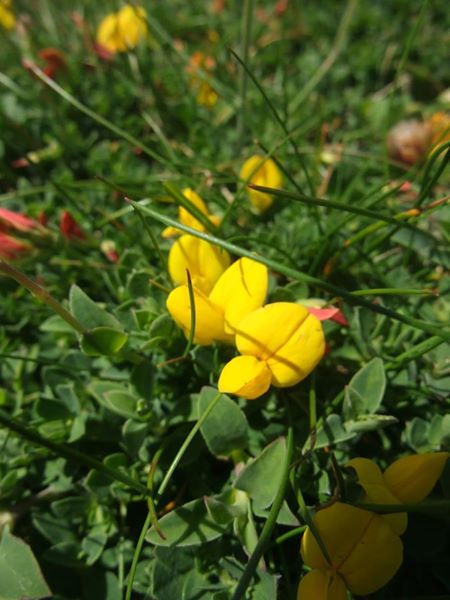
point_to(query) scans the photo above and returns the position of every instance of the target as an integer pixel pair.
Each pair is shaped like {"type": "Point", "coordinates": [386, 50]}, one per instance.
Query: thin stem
{"type": "Point", "coordinates": [246, 27]}
{"type": "Point", "coordinates": [179, 455]}
{"type": "Point", "coordinates": [137, 553]}
{"type": "Point", "coordinates": [42, 295]}
{"type": "Point", "coordinates": [269, 525]}
{"type": "Point", "coordinates": [93, 115]}
{"type": "Point", "coordinates": [193, 318]}
{"type": "Point", "coordinates": [300, 276]}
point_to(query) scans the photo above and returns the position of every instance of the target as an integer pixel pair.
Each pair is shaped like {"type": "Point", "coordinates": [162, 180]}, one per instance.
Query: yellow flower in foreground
{"type": "Point", "coordinates": [185, 217]}
{"type": "Point", "coordinates": [280, 344]}
{"type": "Point", "coordinates": [239, 290]}
{"type": "Point", "coordinates": [408, 480]}
{"type": "Point", "coordinates": [365, 554]}
{"type": "Point", "coordinates": [123, 30]}
{"type": "Point", "coordinates": [7, 17]}
{"type": "Point", "coordinates": [205, 262]}
{"type": "Point", "coordinates": [261, 171]}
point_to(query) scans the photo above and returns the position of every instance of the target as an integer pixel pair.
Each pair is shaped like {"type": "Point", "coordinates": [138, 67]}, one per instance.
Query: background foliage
{"type": "Point", "coordinates": [116, 396]}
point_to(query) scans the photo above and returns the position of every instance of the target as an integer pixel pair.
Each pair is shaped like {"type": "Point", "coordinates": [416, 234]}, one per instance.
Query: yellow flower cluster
{"type": "Point", "coordinates": [364, 548]}
{"type": "Point", "coordinates": [279, 344]}
{"type": "Point", "coordinates": [7, 17]}
{"type": "Point", "coordinates": [122, 30]}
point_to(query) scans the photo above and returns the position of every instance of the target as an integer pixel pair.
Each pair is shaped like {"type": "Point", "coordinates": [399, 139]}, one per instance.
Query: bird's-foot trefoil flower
{"type": "Point", "coordinates": [122, 30]}
{"type": "Point", "coordinates": [261, 171]}
{"type": "Point", "coordinates": [408, 480]}
{"type": "Point", "coordinates": [240, 289]}
{"type": "Point", "coordinates": [185, 217]}
{"type": "Point", "coordinates": [364, 552]}
{"type": "Point", "coordinates": [204, 261]}
{"type": "Point", "coordinates": [280, 344]}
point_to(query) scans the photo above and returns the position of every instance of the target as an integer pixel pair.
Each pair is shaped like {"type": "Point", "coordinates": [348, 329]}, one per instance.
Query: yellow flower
{"type": "Point", "coordinates": [205, 262]}
{"type": "Point", "coordinates": [261, 171]}
{"type": "Point", "coordinates": [189, 220]}
{"type": "Point", "coordinates": [239, 290]}
{"type": "Point", "coordinates": [280, 344]}
{"type": "Point", "coordinates": [364, 551]}
{"type": "Point", "coordinates": [408, 480]}
{"type": "Point", "coordinates": [123, 30]}
{"type": "Point", "coordinates": [206, 95]}
{"type": "Point", "coordinates": [7, 17]}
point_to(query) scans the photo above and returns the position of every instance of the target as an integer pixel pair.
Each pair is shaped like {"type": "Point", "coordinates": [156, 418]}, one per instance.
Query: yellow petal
{"type": "Point", "coordinates": [261, 171]}
{"type": "Point", "coordinates": [108, 34]}
{"type": "Point", "coordinates": [7, 18]}
{"type": "Point", "coordinates": [245, 376]}
{"type": "Point", "coordinates": [169, 232]}
{"type": "Point", "coordinates": [321, 585]}
{"type": "Point", "coordinates": [362, 547]}
{"type": "Point", "coordinates": [185, 216]}
{"type": "Point", "coordinates": [374, 560]}
{"type": "Point", "coordinates": [132, 25]}
{"type": "Point", "coordinates": [208, 318]}
{"type": "Point", "coordinates": [204, 261]}
{"type": "Point", "coordinates": [371, 479]}
{"type": "Point", "coordinates": [241, 289]}
{"type": "Point", "coordinates": [286, 336]}
{"type": "Point", "coordinates": [411, 478]}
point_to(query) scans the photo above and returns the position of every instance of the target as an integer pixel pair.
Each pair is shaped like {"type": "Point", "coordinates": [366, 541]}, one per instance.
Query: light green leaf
{"type": "Point", "coordinates": [225, 428]}
{"type": "Point", "coordinates": [103, 340]}
{"type": "Point", "coordinates": [262, 476]}
{"type": "Point", "coordinates": [365, 391]}
{"type": "Point", "coordinates": [188, 525]}
{"type": "Point", "coordinates": [20, 575]}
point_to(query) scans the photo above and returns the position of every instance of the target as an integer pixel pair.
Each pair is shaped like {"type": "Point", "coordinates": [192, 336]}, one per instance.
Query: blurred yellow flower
{"type": "Point", "coordinates": [206, 95]}
{"type": "Point", "coordinates": [205, 262]}
{"type": "Point", "coordinates": [7, 17]}
{"type": "Point", "coordinates": [365, 554]}
{"type": "Point", "coordinates": [239, 290]}
{"type": "Point", "coordinates": [440, 128]}
{"type": "Point", "coordinates": [261, 171]}
{"type": "Point", "coordinates": [280, 344]}
{"type": "Point", "coordinates": [122, 30]}
{"type": "Point", "coordinates": [185, 217]}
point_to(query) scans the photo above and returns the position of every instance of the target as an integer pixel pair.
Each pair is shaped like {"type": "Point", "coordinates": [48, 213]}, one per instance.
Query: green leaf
{"type": "Point", "coordinates": [115, 398]}
{"type": "Point", "coordinates": [227, 506]}
{"type": "Point", "coordinates": [188, 525]}
{"type": "Point", "coordinates": [369, 423]}
{"type": "Point", "coordinates": [226, 427]}
{"type": "Point", "coordinates": [365, 391]}
{"type": "Point", "coordinates": [262, 476]}
{"type": "Point", "coordinates": [332, 431]}
{"type": "Point", "coordinates": [88, 312]}
{"type": "Point", "coordinates": [20, 575]}
{"type": "Point", "coordinates": [103, 340]}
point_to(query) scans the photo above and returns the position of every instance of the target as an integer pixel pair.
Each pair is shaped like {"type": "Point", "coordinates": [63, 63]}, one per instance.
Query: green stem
{"type": "Point", "coordinates": [300, 276]}
{"type": "Point", "coordinates": [137, 553]}
{"type": "Point", "coordinates": [42, 295]}
{"type": "Point", "coordinates": [193, 317]}
{"type": "Point", "coordinates": [269, 525]}
{"type": "Point", "coordinates": [179, 455]}
{"type": "Point", "coordinates": [246, 27]}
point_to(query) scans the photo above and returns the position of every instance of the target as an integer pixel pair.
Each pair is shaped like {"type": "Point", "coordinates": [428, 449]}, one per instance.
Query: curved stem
{"type": "Point", "coordinates": [269, 525]}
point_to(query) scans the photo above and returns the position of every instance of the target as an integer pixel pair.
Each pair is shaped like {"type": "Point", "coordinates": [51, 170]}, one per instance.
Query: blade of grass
{"type": "Point", "coordinates": [135, 142]}
{"type": "Point", "coordinates": [300, 276]}
{"type": "Point", "coordinates": [246, 27]}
